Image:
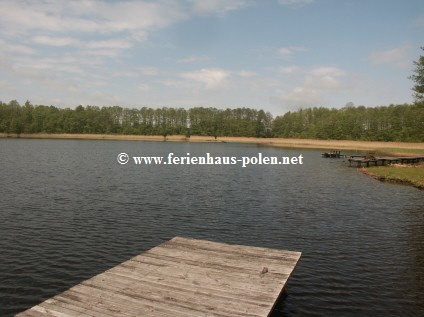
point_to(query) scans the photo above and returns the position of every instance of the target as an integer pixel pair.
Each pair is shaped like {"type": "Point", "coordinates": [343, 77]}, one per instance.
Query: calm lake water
{"type": "Point", "coordinates": [69, 211]}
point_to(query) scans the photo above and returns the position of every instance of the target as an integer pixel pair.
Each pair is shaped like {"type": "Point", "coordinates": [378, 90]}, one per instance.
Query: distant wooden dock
{"type": "Point", "coordinates": [383, 160]}
{"type": "Point", "coordinates": [181, 277]}
{"type": "Point", "coordinates": [332, 154]}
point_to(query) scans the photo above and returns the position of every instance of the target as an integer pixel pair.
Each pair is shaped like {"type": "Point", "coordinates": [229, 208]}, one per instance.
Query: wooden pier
{"type": "Point", "coordinates": [383, 160]}
{"type": "Point", "coordinates": [181, 277]}
{"type": "Point", "coordinates": [332, 154]}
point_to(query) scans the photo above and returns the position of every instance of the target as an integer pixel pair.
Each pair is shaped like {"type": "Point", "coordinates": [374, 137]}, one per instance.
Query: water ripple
{"type": "Point", "coordinates": [69, 211]}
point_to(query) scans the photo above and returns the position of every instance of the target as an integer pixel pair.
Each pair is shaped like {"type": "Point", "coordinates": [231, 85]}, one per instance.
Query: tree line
{"type": "Point", "coordinates": [388, 123]}
{"type": "Point", "coordinates": [28, 118]}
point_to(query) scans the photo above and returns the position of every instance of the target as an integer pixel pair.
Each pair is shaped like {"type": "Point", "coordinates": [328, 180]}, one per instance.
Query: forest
{"type": "Point", "coordinates": [386, 123]}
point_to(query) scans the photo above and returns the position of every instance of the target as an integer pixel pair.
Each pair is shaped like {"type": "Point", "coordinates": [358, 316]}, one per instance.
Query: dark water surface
{"type": "Point", "coordinates": [69, 211]}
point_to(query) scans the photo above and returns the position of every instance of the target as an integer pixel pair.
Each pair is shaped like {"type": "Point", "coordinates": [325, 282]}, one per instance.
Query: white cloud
{"type": "Point", "coordinates": [285, 51]}
{"type": "Point", "coordinates": [143, 87]}
{"type": "Point", "coordinates": [16, 48]}
{"type": "Point", "coordinates": [295, 3]}
{"type": "Point", "coordinates": [193, 59]}
{"type": "Point", "coordinates": [212, 78]}
{"type": "Point", "coordinates": [327, 71]}
{"type": "Point", "coordinates": [300, 97]}
{"type": "Point", "coordinates": [98, 97]}
{"type": "Point", "coordinates": [419, 21]}
{"type": "Point", "coordinates": [111, 52]}
{"type": "Point", "coordinates": [246, 73]}
{"type": "Point", "coordinates": [66, 64]}
{"type": "Point", "coordinates": [117, 25]}
{"type": "Point", "coordinates": [322, 82]}
{"type": "Point", "coordinates": [289, 51]}
{"type": "Point", "coordinates": [316, 84]}
{"type": "Point", "coordinates": [6, 85]}
{"type": "Point", "coordinates": [289, 70]}
{"type": "Point", "coordinates": [55, 41]}
{"type": "Point", "coordinates": [171, 83]}
{"type": "Point", "coordinates": [112, 43]}
{"type": "Point", "coordinates": [129, 74]}
{"type": "Point", "coordinates": [71, 40]}
{"type": "Point", "coordinates": [21, 17]}
{"type": "Point", "coordinates": [396, 56]}
{"type": "Point", "coordinates": [217, 6]}
{"type": "Point", "coordinates": [101, 17]}
{"type": "Point", "coordinates": [152, 71]}
{"type": "Point", "coordinates": [105, 48]}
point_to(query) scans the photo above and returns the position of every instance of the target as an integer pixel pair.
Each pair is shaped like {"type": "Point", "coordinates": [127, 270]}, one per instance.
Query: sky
{"type": "Point", "coordinates": [275, 55]}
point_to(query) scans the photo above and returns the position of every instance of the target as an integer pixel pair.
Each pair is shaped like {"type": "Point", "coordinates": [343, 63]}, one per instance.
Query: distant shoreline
{"type": "Point", "coordinates": [405, 148]}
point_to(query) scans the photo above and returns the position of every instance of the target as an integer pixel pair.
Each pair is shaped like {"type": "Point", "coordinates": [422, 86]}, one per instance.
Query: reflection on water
{"type": "Point", "coordinates": [70, 211]}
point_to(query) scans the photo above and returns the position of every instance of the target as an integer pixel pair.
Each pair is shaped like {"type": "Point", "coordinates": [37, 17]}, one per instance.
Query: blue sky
{"type": "Point", "coordinates": [277, 55]}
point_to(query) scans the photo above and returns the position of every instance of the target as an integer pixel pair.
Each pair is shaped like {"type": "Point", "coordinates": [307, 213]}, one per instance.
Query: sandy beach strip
{"type": "Point", "coordinates": [276, 142]}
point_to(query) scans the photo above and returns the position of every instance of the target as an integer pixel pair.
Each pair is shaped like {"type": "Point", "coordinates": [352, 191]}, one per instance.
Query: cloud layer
{"type": "Point", "coordinates": [108, 52]}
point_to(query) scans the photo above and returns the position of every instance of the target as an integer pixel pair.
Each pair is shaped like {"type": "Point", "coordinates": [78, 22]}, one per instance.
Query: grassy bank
{"type": "Point", "coordinates": [411, 175]}
{"type": "Point", "coordinates": [397, 148]}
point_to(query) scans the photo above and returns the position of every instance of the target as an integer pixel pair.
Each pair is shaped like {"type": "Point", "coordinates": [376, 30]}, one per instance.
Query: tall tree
{"type": "Point", "coordinates": [418, 78]}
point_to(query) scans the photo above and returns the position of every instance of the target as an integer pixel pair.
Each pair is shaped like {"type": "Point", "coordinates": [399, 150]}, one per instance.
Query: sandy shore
{"type": "Point", "coordinates": [393, 147]}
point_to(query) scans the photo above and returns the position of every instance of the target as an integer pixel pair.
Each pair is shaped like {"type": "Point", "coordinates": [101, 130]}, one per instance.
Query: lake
{"type": "Point", "coordinates": [69, 211]}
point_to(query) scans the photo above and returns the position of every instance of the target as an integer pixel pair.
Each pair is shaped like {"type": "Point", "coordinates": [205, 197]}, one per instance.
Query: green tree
{"type": "Point", "coordinates": [418, 78]}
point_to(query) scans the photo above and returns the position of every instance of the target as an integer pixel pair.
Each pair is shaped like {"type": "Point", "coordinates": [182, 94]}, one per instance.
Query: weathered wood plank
{"type": "Point", "coordinates": [186, 269]}
{"type": "Point", "coordinates": [165, 261]}
{"type": "Point", "coordinates": [384, 159]}
{"type": "Point", "coordinates": [233, 293]}
{"type": "Point", "coordinates": [183, 300]}
{"type": "Point", "coordinates": [122, 304]}
{"type": "Point", "coordinates": [188, 289]}
{"type": "Point", "coordinates": [226, 261]}
{"type": "Point", "coordinates": [183, 278]}
{"type": "Point", "coordinates": [229, 254]}
{"type": "Point", "coordinates": [208, 283]}
{"type": "Point", "coordinates": [233, 248]}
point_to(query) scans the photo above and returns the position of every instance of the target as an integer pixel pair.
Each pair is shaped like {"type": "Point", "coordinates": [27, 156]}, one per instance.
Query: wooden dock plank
{"type": "Point", "coordinates": [226, 261]}
{"type": "Point", "coordinates": [384, 159]}
{"type": "Point", "coordinates": [121, 303]}
{"type": "Point", "coordinates": [200, 290]}
{"type": "Point", "coordinates": [211, 280]}
{"type": "Point", "coordinates": [181, 277]}
{"type": "Point", "coordinates": [212, 267]}
{"type": "Point", "coordinates": [167, 261]}
{"type": "Point", "coordinates": [253, 255]}
{"type": "Point", "coordinates": [187, 301]}
{"type": "Point", "coordinates": [232, 248]}
{"type": "Point", "coordinates": [217, 283]}
{"type": "Point", "coordinates": [233, 293]}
